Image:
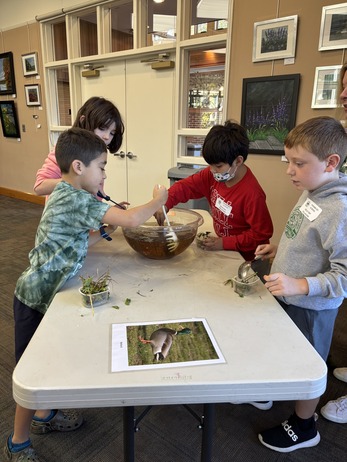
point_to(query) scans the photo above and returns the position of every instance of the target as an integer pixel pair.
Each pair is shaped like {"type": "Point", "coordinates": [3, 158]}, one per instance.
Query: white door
{"type": "Point", "coordinates": [111, 85]}
{"type": "Point", "coordinates": [144, 98]}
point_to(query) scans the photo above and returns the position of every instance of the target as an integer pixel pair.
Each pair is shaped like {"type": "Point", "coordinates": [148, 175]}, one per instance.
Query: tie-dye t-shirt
{"type": "Point", "coordinates": [61, 244]}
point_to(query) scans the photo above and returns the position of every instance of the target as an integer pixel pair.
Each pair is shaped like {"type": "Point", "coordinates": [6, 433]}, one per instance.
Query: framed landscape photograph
{"type": "Point", "coordinates": [333, 29]}
{"type": "Point", "coordinates": [9, 121]}
{"type": "Point", "coordinates": [268, 111]}
{"type": "Point", "coordinates": [275, 39]}
{"type": "Point", "coordinates": [32, 95]}
{"type": "Point", "coordinates": [29, 62]}
{"type": "Point", "coordinates": [7, 80]}
{"type": "Point", "coordinates": [325, 88]}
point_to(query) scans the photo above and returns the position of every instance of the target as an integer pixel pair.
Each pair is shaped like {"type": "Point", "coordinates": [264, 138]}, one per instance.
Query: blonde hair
{"type": "Point", "coordinates": [322, 136]}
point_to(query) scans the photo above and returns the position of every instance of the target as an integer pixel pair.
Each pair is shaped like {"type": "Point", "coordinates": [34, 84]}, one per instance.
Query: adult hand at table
{"type": "Point", "coordinates": [281, 284]}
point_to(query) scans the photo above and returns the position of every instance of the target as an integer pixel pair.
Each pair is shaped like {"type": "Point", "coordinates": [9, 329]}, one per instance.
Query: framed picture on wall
{"type": "Point", "coordinates": [9, 121]}
{"type": "Point", "coordinates": [268, 111]}
{"type": "Point", "coordinates": [32, 95]}
{"type": "Point", "coordinates": [7, 80]}
{"type": "Point", "coordinates": [325, 88]}
{"type": "Point", "coordinates": [333, 29]}
{"type": "Point", "coordinates": [275, 39]}
{"type": "Point", "coordinates": [29, 63]}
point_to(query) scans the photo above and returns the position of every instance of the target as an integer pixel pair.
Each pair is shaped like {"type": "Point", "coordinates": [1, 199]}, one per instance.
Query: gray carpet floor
{"type": "Point", "coordinates": [167, 433]}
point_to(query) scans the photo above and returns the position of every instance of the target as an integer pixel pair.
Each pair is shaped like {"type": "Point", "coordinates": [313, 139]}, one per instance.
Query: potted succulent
{"type": "Point", "coordinates": [95, 290]}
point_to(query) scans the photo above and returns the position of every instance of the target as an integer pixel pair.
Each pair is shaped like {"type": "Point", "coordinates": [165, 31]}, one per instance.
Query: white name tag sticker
{"type": "Point", "coordinates": [310, 210]}
{"type": "Point", "coordinates": [223, 206]}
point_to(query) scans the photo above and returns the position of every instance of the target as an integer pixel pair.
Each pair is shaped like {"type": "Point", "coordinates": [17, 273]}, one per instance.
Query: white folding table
{"type": "Point", "coordinates": [68, 362]}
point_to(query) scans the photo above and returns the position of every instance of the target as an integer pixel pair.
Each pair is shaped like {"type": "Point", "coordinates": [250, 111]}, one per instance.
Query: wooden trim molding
{"type": "Point", "coordinates": [23, 196]}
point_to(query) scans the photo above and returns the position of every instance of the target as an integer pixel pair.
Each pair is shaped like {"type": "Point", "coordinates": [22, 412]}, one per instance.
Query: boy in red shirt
{"type": "Point", "coordinates": [238, 207]}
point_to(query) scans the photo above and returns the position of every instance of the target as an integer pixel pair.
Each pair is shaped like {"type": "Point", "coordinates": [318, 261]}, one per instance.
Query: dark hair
{"type": "Point", "coordinates": [224, 143]}
{"type": "Point", "coordinates": [322, 136]}
{"type": "Point", "coordinates": [78, 144]}
{"type": "Point", "coordinates": [98, 112]}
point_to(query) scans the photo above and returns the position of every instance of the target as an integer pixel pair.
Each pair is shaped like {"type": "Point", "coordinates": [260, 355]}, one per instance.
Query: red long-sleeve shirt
{"type": "Point", "coordinates": [248, 223]}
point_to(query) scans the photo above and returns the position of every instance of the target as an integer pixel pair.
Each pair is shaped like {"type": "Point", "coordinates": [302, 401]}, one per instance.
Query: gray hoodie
{"type": "Point", "coordinates": [317, 249]}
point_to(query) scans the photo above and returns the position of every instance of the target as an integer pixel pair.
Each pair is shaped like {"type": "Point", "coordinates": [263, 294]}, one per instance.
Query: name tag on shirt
{"type": "Point", "coordinates": [223, 206]}
{"type": "Point", "coordinates": [310, 210]}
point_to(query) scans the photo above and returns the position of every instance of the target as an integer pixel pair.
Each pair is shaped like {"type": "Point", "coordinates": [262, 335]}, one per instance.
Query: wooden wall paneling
{"type": "Point", "coordinates": [269, 169]}
{"type": "Point", "coordinates": [19, 160]}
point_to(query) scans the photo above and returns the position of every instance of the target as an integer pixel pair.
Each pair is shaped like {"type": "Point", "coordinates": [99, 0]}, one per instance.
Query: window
{"type": "Point", "coordinates": [59, 40]}
{"type": "Point", "coordinates": [161, 22]}
{"type": "Point", "coordinates": [59, 109]}
{"type": "Point", "coordinates": [122, 30]}
{"type": "Point", "coordinates": [204, 99]}
{"type": "Point", "coordinates": [63, 115]}
{"type": "Point", "coordinates": [88, 34]}
{"type": "Point", "coordinates": [95, 35]}
{"type": "Point", "coordinates": [206, 88]}
{"type": "Point", "coordinates": [205, 14]}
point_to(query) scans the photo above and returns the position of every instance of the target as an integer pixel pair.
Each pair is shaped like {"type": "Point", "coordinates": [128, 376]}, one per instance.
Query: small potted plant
{"type": "Point", "coordinates": [245, 286]}
{"type": "Point", "coordinates": [95, 290]}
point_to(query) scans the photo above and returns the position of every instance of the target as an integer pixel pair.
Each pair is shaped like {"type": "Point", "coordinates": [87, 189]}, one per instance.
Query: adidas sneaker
{"type": "Point", "coordinates": [288, 437]}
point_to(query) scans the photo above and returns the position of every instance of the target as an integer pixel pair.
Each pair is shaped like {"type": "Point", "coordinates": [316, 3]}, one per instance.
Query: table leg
{"type": "Point", "coordinates": [207, 432]}
{"type": "Point", "coordinates": [128, 434]}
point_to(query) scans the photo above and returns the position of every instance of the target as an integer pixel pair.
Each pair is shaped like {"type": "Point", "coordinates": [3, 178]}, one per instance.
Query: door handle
{"type": "Point", "coordinates": [120, 154]}
{"type": "Point", "coordinates": [130, 155]}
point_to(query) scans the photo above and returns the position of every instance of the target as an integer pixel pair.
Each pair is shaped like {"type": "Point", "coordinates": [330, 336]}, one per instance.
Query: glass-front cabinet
{"type": "Point", "coordinates": [184, 39]}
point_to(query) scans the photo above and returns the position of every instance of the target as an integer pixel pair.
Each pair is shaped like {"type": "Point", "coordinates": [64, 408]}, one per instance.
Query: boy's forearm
{"type": "Point", "coordinates": [134, 216]}
{"type": "Point", "coordinates": [140, 214]}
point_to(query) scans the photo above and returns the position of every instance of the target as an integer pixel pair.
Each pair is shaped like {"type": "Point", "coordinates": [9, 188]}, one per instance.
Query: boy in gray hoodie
{"type": "Point", "coordinates": [309, 271]}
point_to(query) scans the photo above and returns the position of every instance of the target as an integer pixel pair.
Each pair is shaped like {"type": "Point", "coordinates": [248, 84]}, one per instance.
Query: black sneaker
{"type": "Point", "coordinates": [288, 437]}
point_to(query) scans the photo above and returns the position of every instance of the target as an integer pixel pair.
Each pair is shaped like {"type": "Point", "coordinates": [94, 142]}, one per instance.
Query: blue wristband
{"type": "Point", "coordinates": [104, 234]}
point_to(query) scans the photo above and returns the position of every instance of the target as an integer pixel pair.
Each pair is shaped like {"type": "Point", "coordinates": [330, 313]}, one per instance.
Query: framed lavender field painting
{"type": "Point", "coordinates": [268, 111]}
{"type": "Point", "coordinates": [275, 39]}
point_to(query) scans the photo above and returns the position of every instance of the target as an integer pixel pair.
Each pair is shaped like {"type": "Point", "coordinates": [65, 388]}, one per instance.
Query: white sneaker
{"type": "Point", "coordinates": [341, 373]}
{"type": "Point", "coordinates": [262, 405]}
{"type": "Point", "coordinates": [336, 410]}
